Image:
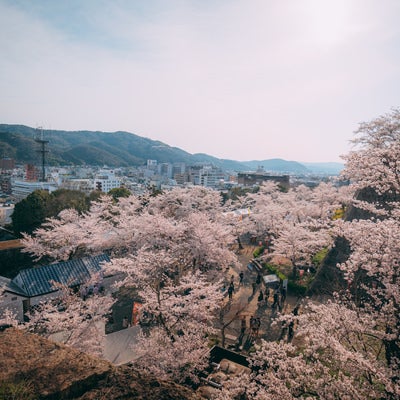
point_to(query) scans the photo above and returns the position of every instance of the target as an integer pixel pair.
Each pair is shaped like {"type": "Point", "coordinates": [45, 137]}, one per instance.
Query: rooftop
{"type": "Point", "coordinates": [39, 280]}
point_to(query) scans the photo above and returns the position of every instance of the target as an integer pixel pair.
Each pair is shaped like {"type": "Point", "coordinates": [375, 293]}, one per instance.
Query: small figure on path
{"type": "Point", "coordinates": [276, 300]}
{"type": "Point", "coordinates": [290, 331]}
{"type": "Point", "coordinates": [253, 326]}
{"type": "Point", "coordinates": [231, 288]}
{"type": "Point", "coordinates": [266, 295]}
{"type": "Point", "coordinates": [243, 325]}
{"type": "Point", "coordinates": [283, 294]}
{"type": "Point", "coordinates": [241, 276]}
{"type": "Point", "coordinates": [254, 287]}
{"type": "Point", "coordinates": [125, 322]}
{"type": "Point", "coordinates": [260, 297]}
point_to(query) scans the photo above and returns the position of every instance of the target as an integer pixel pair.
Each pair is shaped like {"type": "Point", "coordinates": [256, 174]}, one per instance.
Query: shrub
{"type": "Point", "coordinates": [258, 251]}
{"type": "Point", "coordinates": [296, 289]}
{"type": "Point", "coordinates": [274, 270]}
{"type": "Point", "coordinates": [319, 257]}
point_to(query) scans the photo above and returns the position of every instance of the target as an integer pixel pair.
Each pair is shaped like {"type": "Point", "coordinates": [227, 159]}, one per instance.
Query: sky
{"type": "Point", "coordinates": [236, 79]}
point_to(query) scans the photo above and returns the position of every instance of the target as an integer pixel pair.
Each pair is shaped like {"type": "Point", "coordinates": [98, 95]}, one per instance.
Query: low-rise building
{"type": "Point", "coordinates": [22, 189]}
{"type": "Point", "coordinates": [83, 185]}
{"type": "Point", "coordinates": [35, 285]}
{"type": "Point", "coordinates": [258, 178]}
{"type": "Point", "coordinates": [105, 180]}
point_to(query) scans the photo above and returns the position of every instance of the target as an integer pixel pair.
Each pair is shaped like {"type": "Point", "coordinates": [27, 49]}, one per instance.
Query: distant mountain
{"type": "Point", "coordinates": [331, 168]}
{"type": "Point", "coordinates": [96, 148]}
{"type": "Point", "coordinates": [116, 149]}
{"type": "Point", "coordinates": [277, 165]}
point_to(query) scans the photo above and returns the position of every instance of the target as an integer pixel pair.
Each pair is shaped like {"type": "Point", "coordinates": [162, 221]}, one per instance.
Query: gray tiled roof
{"type": "Point", "coordinates": [38, 281]}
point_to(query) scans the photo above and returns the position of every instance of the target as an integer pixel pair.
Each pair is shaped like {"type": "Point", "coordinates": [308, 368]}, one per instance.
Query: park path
{"type": "Point", "coordinates": [244, 303]}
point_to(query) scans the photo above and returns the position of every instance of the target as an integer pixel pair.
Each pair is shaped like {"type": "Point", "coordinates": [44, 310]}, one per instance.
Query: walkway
{"type": "Point", "coordinates": [118, 348]}
{"type": "Point", "coordinates": [244, 303]}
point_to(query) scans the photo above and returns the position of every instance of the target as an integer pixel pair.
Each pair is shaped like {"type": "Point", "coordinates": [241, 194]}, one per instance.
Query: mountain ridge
{"type": "Point", "coordinates": [123, 149]}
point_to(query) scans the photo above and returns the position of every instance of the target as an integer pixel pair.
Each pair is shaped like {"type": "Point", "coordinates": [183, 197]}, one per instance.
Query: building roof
{"type": "Point", "coordinates": [38, 281]}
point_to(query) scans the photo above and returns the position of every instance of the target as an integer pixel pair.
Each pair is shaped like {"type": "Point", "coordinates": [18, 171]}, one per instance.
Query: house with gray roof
{"type": "Point", "coordinates": [35, 285]}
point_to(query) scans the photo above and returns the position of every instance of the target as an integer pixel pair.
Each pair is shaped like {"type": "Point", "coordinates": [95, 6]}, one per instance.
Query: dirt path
{"type": "Point", "coordinates": [244, 303]}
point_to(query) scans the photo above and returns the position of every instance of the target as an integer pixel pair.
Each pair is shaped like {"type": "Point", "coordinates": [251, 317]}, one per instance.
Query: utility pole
{"type": "Point", "coordinates": [39, 138]}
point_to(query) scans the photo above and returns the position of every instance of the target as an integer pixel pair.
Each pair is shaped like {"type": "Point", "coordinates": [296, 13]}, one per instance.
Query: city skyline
{"type": "Point", "coordinates": [241, 80]}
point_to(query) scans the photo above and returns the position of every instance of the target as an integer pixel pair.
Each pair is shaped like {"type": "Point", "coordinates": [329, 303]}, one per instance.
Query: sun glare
{"type": "Point", "coordinates": [328, 22]}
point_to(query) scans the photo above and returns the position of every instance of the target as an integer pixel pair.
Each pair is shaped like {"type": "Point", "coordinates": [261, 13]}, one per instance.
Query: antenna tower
{"type": "Point", "coordinates": [39, 138]}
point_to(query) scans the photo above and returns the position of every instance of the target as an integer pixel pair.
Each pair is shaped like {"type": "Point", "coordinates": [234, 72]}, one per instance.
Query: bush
{"type": "Point", "coordinates": [274, 270]}
{"type": "Point", "coordinates": [296, 289]}
{"type": "Point", "coordinates": [258, 251]}
{"type": "Point", "coordinates": [338, 213]}
{"type": "Point", "coordinates": [319, 257]}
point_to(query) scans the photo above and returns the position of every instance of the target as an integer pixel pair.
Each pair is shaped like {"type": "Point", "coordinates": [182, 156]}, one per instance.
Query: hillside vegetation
{"type": "Point", "coordinates": [35, 368]}
{"type": "Point", "coordinates": [118, 149]}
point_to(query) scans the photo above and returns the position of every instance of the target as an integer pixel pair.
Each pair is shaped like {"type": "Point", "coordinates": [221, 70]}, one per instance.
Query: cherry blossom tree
{"type": "Point", "coordinates": [300, 241]}
{"type": "Point", "coordinates": [272, 209]}
{"type": "Point", "coordinates": [8, 318]}
{"type": "Point", "coordinates": [335, 354]}
{"type": "Point", "coordinates": [347, 347]}
{"type": "Point", "coordinates": [299, 220]}
{"type": "Point", "coordinates": [126, 226]}
{"type": "Point", "coordinates": [374, 164]}
{"type": "Point", "coordinates": [266, 210]}
{"type": "Point", "coordinates": [373, 265]}
{"type": "Point", "coordinates": [179, 203]}
{"type": "Point", "coordinates": [172, 248]}
{"type": "Point", "coordinates": [177, 346]}
{"type": "Point", "coordinates": [179, 307]}
{"type": "Point", "coordinates": [373, 273]}
{"type": "Point", "coordinates": [72, 320]}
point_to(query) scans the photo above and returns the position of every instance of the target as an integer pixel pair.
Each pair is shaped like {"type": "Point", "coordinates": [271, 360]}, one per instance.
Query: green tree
{"type": "Point", "coordinates": [63, 198]}
{"type": "Point", "coordinates": [32, 211]}
{"type": "Point", "coordinates": [94, 196]}
{"type": "Point", "coordinates": [116, 193]}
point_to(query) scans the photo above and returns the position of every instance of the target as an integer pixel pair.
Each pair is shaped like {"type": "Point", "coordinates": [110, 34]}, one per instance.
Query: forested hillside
{"type": "Point", "coordinates": [123, 149]}
{"type": "Point", "coordinates": [96, 148]}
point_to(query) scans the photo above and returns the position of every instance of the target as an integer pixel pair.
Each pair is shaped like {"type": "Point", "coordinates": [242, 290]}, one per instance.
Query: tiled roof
{"type": "Point", "coordinates": [38, 281]}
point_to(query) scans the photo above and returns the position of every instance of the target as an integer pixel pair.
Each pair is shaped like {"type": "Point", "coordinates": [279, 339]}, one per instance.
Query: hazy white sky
{"type": "Point", "coordinates": [236, 79]}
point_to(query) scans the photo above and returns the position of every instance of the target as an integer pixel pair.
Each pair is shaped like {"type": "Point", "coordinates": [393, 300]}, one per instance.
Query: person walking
{"type": "Point", "coordinates": [231, 289]}
{"type": "Point", "coordinates": [253, 326]}
{"type": "Point", "coordinates": [241, 276]}
{"type": "Point", "coordinates": [254, 287]}
{"type": "Point", "coordinates": [260, 297]}
{"type": "Point", "coordinates": [276, 300]}
{"type": "Point", "coordinates": [290, 331]}
{"type": "Point", "coordinates": [283, 294]}
{"type": "Point", "coordinates": [266, 295]}
{"type": "Point", "coordinates": [243, 325]}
